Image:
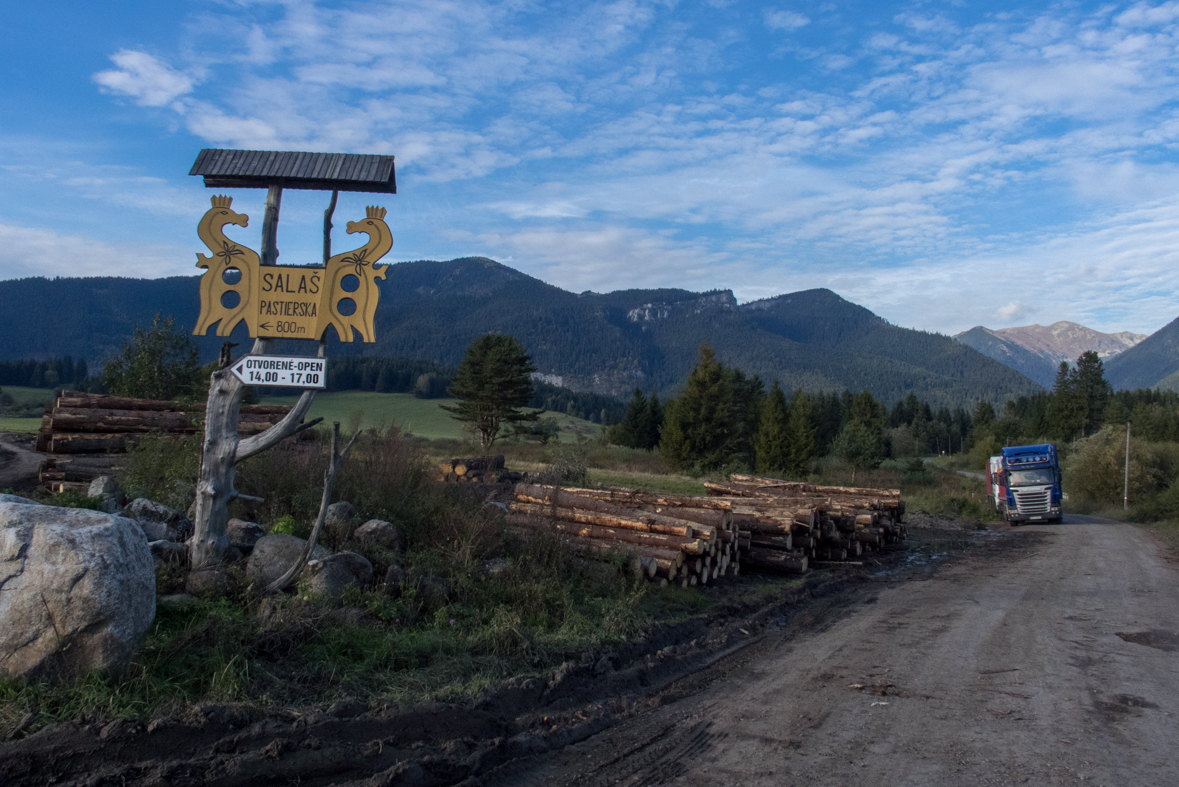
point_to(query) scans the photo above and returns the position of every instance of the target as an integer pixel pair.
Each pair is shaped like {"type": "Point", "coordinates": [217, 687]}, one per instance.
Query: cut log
{"type": "Point", "coordinates": [783, 543]}
{"type": "Point", "coordinates": [649, 523]}
{"type": "Point", "coordinates": [689, 546]}
{"type": "Point", "coordinates": [786, 562]}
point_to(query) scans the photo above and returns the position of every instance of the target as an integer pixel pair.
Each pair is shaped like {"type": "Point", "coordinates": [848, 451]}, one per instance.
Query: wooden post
{"type": "Point", "coordinates": [327, 227]}
{"type": "Point", "coordinates": [269, 253]}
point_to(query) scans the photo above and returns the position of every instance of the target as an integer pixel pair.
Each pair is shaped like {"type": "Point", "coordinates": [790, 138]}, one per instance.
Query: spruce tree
{"type": "Point", "coordinates": [1067, 409]}
{"type": "Point", "coordinates": [696, 423]}
{"type": "Point", "coordinates": [630, 431]}
{"type": "Point", "coordinates": [652, 421]}
{"type": "Point", "coordinates": [803, 434]}
{"type": "Point", "coordinates": [493, 382]}
{"type": "Point", "coordinates": [773, 434]}
{"type": "Point", "coordinates": [1091, 386]}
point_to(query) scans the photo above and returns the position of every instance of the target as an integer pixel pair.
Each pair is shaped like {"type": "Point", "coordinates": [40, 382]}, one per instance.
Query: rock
{"type": "Point", "coordinates": [24, 501]}
{"type": "Point", "coordinates": [334, 574]}
{"type": "Point", "coordinates": [395, 581]}
{"type": "Point", "coordinates": [434, 592]}
{"type": "Point", "coordinates": [346, 708]}
{"type": "Point", "coordinates": [176, 601]}
{"type": "Point", "coordinates": [77, 590]}
{"type": "Point", "coordinates": [243, 532]}
{"type": "Point", "coordinates": [274, 554]}
{"type": "Point", "coordinates": [341, 513]}
{"type": "Point", "coordinates": [145, 512]}
{"type": "Point", "coordinates": [339, 522]}
{"type": "Point", "coordinates": [377, 532]}
{"type": "Point", "coordinates": [208, 582]}
{"type": "Point", "coordinates": [107, 488]}
{"type": "Point", "coordinates": [495, 566]}
{"type": "Point", "coordinates": [169, 551]}
{"type": "Point", "coordinates": [156, 531]}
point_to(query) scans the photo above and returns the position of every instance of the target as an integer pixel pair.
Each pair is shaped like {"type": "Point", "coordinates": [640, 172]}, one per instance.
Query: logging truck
{"type": "Point", "coordinates": [1025, 483]}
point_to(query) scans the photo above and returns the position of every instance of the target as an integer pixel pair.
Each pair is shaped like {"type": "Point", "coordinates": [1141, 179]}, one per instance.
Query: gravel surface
{"type": "Point", "coordinates": [1046, 655]}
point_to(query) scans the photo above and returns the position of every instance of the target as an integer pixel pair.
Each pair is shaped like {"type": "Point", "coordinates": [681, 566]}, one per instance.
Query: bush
{"type": "Point", "coordinates": [288, 525]}
{"type": "Point", "coordinates": [1096, 469]}
{"type": "Point", "coordinates": [163, 469]}
{"type": "Point", "coordinates": [566, 467]}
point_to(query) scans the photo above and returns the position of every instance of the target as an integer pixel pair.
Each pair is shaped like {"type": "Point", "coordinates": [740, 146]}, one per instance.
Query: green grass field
{"type": "Point", "coordinates": [420, 417]}
{"type": "Point", "coordinates": [24, 398]}
{"type": "Point", "coordinates": [26, 425]}
{"type": "Point", "coordinates": [23, 395]}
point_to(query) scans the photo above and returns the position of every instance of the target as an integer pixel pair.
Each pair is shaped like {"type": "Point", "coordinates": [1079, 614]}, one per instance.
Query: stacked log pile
{"type": "Point", "coordinates": [666, 538]}
{"type": "Point", "coordinates": [80, 430]}
{"type": "Point", "coordinates": [789, 521]}
{"type": "Point", "coordinates": [477, 470]}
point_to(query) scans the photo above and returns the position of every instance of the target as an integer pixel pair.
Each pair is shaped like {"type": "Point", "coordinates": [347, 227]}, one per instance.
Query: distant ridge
{"type": "Point", "coordinates": [1037, 350]}
{"type": "Point", "coordinates": [608, 343]}
{"type": "Point", "coordinates": [1154, 362]}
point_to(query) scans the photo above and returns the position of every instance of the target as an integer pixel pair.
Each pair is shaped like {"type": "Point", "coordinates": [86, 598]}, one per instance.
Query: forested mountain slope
{"type": "Point", "coordinates": [609, 343]}
{"type": "Point", "coordinates": [1149, 363]}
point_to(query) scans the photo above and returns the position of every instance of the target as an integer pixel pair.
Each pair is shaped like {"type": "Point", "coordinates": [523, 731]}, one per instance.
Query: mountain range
{"type": "Point", "coordinates": [1036, 351]}
{"type": "Point", "coordinates": [607, 343]}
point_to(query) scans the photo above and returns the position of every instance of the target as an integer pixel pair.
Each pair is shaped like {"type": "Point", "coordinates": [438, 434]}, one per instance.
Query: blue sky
{"type": "Point", "coordinates": [944, 165]}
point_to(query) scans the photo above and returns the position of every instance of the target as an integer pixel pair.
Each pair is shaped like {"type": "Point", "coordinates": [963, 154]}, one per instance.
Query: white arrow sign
{"type": "Point", "coordinates": [291, 371]}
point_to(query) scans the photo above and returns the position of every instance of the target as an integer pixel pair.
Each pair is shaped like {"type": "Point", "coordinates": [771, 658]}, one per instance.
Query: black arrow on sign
{"type": "Point", "coordinates": [265, 326]}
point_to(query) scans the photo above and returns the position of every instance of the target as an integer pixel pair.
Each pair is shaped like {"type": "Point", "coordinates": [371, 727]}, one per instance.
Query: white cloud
{"type": "Point", "coordinates": [1013, 312]}
{"type": "Point", "coordinates": [140, 76]}
{"type": "Point", "coordinates": [30, 251]}
{"type": "Point", "coordinates": [785, 20]}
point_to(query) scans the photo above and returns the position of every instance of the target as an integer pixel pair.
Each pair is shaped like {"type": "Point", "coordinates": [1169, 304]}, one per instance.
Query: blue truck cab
{"type": "Point", "coordinates": [1030, 484]}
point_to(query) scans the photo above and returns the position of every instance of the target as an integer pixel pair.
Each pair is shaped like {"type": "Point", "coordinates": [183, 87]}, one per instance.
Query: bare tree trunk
{"type": "Point", "coordinates": [222, 450]}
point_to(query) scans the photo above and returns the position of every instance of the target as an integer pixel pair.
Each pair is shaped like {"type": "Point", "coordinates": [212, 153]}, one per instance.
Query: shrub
{"type": "Point", "coordinates": [163, 469]}
{"type": "Point", "coordinates": [567, 466]}
{"type": "Point", "coordinates": [1096, 469]}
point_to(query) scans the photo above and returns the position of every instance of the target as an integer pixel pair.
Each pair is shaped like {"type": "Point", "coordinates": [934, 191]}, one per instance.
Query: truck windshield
{"type": "Point", "coordinates": [1031, 477]}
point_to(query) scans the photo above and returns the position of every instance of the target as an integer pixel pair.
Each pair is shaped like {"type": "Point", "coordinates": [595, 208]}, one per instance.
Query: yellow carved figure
{"type": "Point", "coordinates": [228, 255]}
{"type": "Point", "coordinates": [360, 263]}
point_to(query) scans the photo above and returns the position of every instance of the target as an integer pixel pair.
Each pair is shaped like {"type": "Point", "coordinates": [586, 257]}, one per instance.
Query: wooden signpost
{"type": "Point", "coordinates": [287, 302]}
{"type": "Point", "coordinates": [276, 302]}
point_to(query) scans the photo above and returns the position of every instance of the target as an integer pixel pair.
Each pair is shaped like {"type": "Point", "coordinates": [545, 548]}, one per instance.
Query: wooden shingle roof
{"type": "Point", "coordinates": [258, 169]}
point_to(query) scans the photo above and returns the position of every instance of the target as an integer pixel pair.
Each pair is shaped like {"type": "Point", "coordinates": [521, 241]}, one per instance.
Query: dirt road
{"type": "Point", "coordinates": [1048, 656]}
{"type": "Point", "coordinates": [18, 463]}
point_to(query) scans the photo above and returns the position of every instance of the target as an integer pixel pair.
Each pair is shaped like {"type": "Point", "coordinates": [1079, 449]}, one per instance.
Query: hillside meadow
{"type": "Point", "coordinates": [420, 417]}
{"type": "Point", "coordinates": [23, 416]}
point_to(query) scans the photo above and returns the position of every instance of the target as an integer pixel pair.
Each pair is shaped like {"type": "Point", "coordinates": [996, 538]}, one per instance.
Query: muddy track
{"type": "Point", "coordinates": [617, 705]}
{"type": "Point", "coordinates": [18, 463]}
{"type": "Point", "coordinates": [1045, 656]}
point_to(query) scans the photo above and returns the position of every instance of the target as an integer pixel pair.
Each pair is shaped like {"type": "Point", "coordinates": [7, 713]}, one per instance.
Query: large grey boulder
{"type": "Point", "coordinates": [159, 521]}
{"type": "Point", "coordinates": [17, 499]}
{"type": "Point", "coordinates": [77, 590]}
{"type": "Point", "coordinates": [274, 554]}
{"type": "Point", "coordinates": [377, 532]}
{"type": "Point", "coordinates": [332, 575]}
